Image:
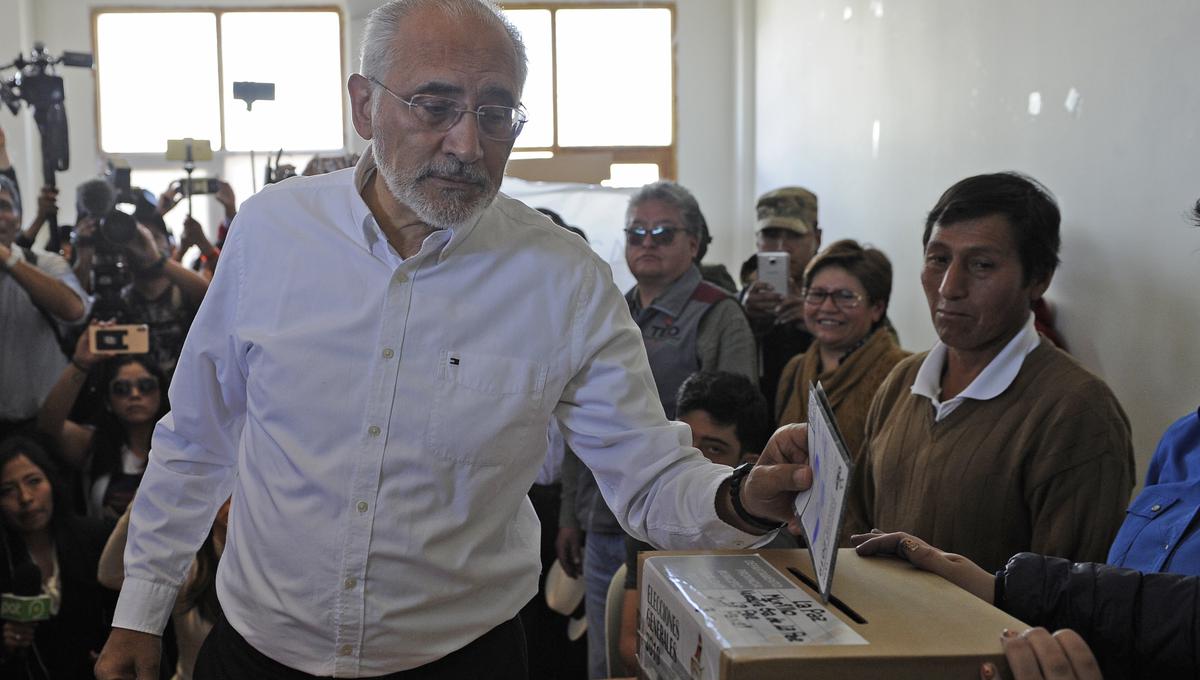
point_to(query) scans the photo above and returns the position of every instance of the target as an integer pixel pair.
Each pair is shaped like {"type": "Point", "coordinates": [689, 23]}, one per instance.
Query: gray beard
{"type": "Point", "coordinates": [445, 209]}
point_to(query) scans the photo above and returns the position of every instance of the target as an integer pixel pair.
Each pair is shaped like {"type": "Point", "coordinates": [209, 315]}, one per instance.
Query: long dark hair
{"type": "Point", "coordinates": [110, 434]}
{"type": "Point", "coordinates": [20, 445]}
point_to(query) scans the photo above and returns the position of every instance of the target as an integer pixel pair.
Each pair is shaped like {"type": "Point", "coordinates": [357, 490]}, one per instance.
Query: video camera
{"type": "Point", "coordinates": [36, 84]}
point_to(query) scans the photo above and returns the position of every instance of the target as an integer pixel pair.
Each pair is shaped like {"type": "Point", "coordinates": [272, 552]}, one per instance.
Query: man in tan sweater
{"type": "Point", "coordinates": [994, 442]}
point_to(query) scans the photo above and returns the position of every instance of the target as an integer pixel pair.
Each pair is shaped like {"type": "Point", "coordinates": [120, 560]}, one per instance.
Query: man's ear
{"type": "Point", "coordinates": [1037, 288]}
{"type": "Point", "coordinates": [360, 90]}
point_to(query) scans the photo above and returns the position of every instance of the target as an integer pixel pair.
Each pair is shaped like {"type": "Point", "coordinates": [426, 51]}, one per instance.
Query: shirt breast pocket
{"type": "Point", "coordinates": [487, 410]}
{"type": "Point", "coordinates": [1144, 538]}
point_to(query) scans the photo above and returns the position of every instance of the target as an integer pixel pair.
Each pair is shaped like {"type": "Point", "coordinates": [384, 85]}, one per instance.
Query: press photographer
{"type": "Point", "coordinates": [126, 262]}
{"type": "Point", "coordinates": [40, 300]}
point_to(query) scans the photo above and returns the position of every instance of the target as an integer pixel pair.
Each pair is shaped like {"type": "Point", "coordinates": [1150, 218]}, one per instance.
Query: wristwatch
{"type": "Point", "coordinates": [15, 256]}
{"type": "Point", "coordinates": [740, 473]}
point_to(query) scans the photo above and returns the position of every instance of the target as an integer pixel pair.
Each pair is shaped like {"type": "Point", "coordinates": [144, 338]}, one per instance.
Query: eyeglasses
{"type": "Point", "coordinates": [500, 123]}
{"type": "Point", "coordinates": [660, 235]}
{"type": "Point", "coordinates": [124, 388]}
{"type": "Point", "coordinates": [842, 299]}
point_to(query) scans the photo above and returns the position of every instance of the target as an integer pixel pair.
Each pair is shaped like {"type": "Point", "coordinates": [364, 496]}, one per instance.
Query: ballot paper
{"type": "Point", "coordinates": [820, 509]}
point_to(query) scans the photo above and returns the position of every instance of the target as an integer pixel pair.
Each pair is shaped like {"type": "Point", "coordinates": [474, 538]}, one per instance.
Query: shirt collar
{"type": "Point", "coordinates": [672, 300]}
{"type": "Point", "coordinates": [996, 377]}
{"type": "Point", "coordinates": [446, 240]}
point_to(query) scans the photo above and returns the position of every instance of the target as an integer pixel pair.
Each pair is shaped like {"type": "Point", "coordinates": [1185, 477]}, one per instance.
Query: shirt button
{"type": "Point", "coordinates": [345, 650]}
{"type": "Point", "coordinates": [1155, 508]}
{"type": "Point", "coordinates": [362, 506]}
{"type": "Point", "coordinates": [388, 353]}
{"type": "Point", "coordinates": [373, 430]}
{"type": "Point", "coordinates": [351, 582]}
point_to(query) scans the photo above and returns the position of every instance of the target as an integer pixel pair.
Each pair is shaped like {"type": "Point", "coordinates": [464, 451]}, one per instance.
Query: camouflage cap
{"type": "Point", "coordinates": [791, 208]}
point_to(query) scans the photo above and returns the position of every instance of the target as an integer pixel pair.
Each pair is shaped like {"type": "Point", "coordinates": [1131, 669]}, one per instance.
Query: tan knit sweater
{"type": "Point", "coordinates": [850, 387]}
{"type": "Point", "coordinates": [1047, 466]}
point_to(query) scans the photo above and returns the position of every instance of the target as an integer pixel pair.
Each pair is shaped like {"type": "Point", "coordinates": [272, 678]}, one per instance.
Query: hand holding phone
{"type": "Point", "coordinates": [773, 270]}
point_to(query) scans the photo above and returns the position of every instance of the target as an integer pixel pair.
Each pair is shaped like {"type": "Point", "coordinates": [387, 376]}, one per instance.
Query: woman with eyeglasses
{"type": "Point", "coordinates": [112, 450]}
{"type": "Point", "coordinates": [846, 293]}
{"type": "Point", "coordinates": [48, 553]}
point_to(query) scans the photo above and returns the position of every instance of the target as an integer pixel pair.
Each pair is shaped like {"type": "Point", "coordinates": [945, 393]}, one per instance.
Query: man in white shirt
{"type": "Point", "coordinates": [375, 395]}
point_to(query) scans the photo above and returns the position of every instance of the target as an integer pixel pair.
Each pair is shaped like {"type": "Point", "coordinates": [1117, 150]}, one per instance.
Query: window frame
{"type": "Point", "coordinates": [666, 157]}
{"type": "Point", "coordinates": [219, 148]}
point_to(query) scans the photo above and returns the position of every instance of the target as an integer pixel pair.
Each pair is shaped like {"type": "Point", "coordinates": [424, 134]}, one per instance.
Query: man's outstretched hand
{"type": "Point", "coordinates": [781, 473]}
{"type": "Point", "coordinates": [129, 655]}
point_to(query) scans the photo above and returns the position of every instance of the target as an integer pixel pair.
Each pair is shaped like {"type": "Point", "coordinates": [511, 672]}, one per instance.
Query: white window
{"type": "Point", "coordinates": [600, 92]}
{"type": "Point", "coordinates": [169, 75]}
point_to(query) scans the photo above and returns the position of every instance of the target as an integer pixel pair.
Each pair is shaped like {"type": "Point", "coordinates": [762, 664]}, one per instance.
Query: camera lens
{"type": "Point", "coordinates": [118, 228]}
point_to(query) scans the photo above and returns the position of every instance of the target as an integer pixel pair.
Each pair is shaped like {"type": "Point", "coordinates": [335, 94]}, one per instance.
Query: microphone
{"type": "Point", "coordinates": [95, 198]}
{"type": "Point", "coordinates": [26, 603]}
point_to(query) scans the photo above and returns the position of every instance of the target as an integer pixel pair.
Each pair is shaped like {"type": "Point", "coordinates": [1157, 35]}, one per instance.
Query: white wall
{"type": "Point", "coordinates": [949, 83]}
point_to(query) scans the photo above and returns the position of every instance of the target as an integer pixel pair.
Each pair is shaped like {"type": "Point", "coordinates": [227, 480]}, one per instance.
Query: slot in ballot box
{"type": "Point", "coordinates": [735, 614]}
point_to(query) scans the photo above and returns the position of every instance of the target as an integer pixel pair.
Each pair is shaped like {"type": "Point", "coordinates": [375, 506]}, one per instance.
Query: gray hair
{"type": "Point", "coordinates": [9, 186]}
{"type": "Point", "coordinates": [377, 57]}
{"type": "Point", "coordinates": [673, 195]}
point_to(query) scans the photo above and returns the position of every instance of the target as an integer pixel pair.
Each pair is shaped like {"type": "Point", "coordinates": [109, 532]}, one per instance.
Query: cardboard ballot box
{"type": "Point", "coordinates": [729, 615]}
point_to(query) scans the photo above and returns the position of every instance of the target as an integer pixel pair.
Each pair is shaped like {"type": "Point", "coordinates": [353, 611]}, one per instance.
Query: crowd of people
{"type": "Point", "coordinates": [369, 408]}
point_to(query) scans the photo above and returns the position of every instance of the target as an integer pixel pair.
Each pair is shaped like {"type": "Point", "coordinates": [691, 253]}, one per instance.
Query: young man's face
{"type": "Point", "coordinates": [719, 443]}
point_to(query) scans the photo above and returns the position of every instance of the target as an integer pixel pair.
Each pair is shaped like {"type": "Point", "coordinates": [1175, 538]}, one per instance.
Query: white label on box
{"type": "Point", "coordinates": [694, 606]}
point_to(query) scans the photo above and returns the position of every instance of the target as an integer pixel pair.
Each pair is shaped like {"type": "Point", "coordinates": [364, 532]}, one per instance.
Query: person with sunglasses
{"type": "Point", "coordinates": [687, 325]}
{"type": "Point", "coordinates": [112, 449]}
{"type": "Point", "coordinates": [846, 292]}
{"type": "Point", "coordinates": [375, 396]}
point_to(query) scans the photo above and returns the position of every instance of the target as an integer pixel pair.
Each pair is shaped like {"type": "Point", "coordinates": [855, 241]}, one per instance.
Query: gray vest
{"type": "Point", "coordinates": [670, 328]}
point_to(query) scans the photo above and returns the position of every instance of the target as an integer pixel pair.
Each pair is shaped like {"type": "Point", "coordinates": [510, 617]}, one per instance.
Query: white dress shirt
{"type": "Point", "coordinates": [378, 422]}
{"type": "Point", "coordinates": [994, 379]}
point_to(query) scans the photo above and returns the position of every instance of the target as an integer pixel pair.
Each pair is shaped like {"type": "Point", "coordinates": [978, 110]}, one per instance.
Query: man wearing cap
{"type": "Point", "coordinates": [787, 222]}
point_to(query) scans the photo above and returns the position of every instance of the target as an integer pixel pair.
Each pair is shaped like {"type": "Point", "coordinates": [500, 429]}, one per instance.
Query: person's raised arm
{"type": "Point", "coordinates": [45, 290]}
{"type": "Point", "coordinates": [146, 257]}
{"type": "Point", "coordinates": [72, 438]}
{"type": "Point", "coordinates": [47, 205]}
{"type": "Point", "coordinates": [6, 162]}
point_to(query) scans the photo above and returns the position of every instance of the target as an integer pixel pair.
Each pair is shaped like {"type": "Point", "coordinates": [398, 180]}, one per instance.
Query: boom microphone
{"type": "Point", "coordinates": [95, 198]}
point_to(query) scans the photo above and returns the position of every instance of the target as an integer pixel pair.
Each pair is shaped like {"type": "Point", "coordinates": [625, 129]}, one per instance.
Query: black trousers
{"type": "Point", "coordinates": [500, 653]}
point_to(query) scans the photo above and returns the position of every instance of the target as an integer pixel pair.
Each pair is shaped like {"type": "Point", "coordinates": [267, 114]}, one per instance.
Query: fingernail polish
{"type": "Point", "coordinates": [1008, 634]}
